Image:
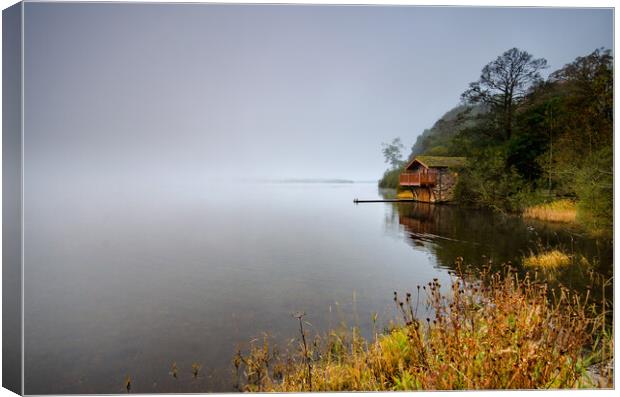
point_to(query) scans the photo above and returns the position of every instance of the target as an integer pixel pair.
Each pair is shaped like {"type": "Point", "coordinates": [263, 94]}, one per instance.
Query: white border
{"type": "Point", "coordinates": [479, 3]}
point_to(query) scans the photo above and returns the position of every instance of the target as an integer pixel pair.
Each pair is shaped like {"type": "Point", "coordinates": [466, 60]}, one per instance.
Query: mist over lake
{"type": "Point", "coordinates": [131, 284]}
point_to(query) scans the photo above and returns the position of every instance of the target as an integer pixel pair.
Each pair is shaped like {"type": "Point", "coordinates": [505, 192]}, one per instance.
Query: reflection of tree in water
{"type": "Point", "coordinates": [449, 231]}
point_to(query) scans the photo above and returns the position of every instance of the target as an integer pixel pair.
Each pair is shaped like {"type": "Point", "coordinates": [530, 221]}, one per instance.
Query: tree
{"type": "Point", "coordinates": [573, 111]}
{"type": "Point", "coordinates": [595, 189]}
{"type": "Point", "coordinates": [588, 82]}
{"type": "Point", "coordinates": [490, 183]}
{"type": "Point", "coordinates": [393, 153]}
{"type": "Point", "coordinates": [504, 83]}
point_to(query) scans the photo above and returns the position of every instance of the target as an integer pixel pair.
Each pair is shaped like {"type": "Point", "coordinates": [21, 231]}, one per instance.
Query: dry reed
{"type": "Point", "coordinates": [547, 260]}
{"type": "Point", "coordinates": [555, 211]}
{"type": "Point", "coordinates": [493, 330]}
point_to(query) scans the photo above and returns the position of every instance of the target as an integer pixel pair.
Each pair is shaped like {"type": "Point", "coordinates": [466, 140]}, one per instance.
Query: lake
{"type": "Point", "coordinates": [128, 282]}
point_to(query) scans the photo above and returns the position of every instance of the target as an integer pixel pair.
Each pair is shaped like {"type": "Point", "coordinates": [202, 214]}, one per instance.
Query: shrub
{"type": "Point", "coordinates": [391, 179]}
{"type": "Point", "coordinates": [594, 187]}
{"type": "Point", "coordinates": [490, 182]}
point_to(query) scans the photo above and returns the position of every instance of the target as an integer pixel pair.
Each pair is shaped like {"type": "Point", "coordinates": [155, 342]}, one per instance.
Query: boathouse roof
{"type": "Point", "coordinates": [439, 162]}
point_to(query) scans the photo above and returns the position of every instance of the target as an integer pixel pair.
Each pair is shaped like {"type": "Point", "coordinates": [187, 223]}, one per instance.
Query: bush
{"type": "Point", "coordinates": [594, 187]}
{"type": "Point", "coordinates": [391, 178]}
{"type": "Point", "coordinates": [489, 182]}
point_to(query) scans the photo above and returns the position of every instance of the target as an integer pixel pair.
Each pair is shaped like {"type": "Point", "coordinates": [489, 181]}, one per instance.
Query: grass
{"type": "Point", "coordinates": [555, 211]}
{"type": "Point", "coordinates": [552, 259]}
{"type": "Point", "coordinates": [488, 330]}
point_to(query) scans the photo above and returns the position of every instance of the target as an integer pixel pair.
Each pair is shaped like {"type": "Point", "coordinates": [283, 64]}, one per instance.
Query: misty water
{"type": "Point", "coordinates": [130, 284]}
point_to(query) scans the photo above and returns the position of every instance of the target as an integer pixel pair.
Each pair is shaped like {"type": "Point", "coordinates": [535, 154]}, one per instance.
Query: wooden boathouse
{"type": "Point", "coordinates": [432, 179]}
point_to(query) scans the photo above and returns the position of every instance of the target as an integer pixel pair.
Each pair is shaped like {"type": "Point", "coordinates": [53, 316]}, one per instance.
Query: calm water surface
{"type": "Point", "coordinates": [128, 285]}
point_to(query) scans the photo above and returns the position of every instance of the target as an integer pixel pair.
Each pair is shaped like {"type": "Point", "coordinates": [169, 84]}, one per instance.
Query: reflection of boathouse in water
{"type": "Point", "coordinates": [432, 178]}
{"type": "Point", "coordinates": [451, 231]}
{"type": "Point", "coordinates": [420, 219]}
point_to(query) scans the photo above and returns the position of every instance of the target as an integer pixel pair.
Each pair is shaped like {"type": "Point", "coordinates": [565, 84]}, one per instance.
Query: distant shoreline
{"type": "Point", "coordinates": [311, 180]}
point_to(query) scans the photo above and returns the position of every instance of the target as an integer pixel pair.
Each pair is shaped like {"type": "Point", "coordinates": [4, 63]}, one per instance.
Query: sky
{"type": "Point", "coordinates": [155, 93]}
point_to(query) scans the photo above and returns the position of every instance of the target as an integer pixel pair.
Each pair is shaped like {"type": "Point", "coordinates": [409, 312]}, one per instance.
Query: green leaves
{"type": "Point", "coordinates": [594, 187]}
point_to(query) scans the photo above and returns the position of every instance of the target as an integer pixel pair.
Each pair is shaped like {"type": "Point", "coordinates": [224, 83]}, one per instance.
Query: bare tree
{"type": "Point", "coordinates": [504, 82]}
{"type": "Point", "coordinates": [393, 152]}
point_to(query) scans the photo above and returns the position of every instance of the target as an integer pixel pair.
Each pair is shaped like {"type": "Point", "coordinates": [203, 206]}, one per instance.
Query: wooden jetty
{"type": "Point", "coordinates": [383, 201]}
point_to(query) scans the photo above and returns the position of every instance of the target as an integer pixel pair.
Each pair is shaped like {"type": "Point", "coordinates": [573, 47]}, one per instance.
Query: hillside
{"type": "Point", "coordinates": [441, 138]}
